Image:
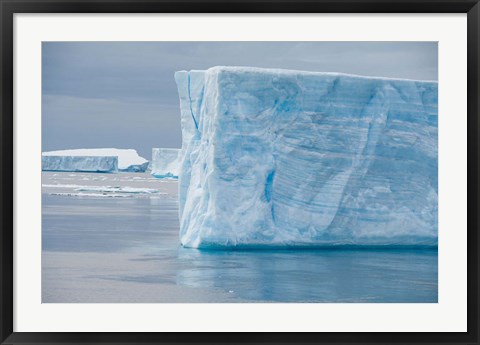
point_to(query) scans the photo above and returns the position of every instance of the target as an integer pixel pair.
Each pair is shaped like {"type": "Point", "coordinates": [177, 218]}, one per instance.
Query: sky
{"type": "Point", "coordinates": [123, 94]}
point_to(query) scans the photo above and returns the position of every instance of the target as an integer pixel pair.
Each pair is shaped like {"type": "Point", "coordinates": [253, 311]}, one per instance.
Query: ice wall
{"type": "Point", "coordinates": [165, 162]}
{"type": "Point", "coordinates": [103, 164]}
{"type": "Point", "coordinates": [289, 158]}
{"type": "Point", "coordinates": [127, 160]}
{"type": "Point", "coordinates": [190, 90]}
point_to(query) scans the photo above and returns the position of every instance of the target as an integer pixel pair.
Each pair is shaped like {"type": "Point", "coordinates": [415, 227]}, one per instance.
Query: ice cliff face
{"type": "Point", "coordinates": [165, 162]}
{"type": "Point", "coordinates": [103, 164]}
{"type": "Point", "coordinates": [289, 158]}
{"type": "Point", "coordinates": [94, 160]}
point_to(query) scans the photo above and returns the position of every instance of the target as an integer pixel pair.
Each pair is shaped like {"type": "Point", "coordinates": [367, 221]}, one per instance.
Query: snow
{"type": "Point", "coordinates": [95, 160]}
{"type": "Point", "coordinates": [292, 158]}
{"type": "Point", "coordinates": [165, 162]}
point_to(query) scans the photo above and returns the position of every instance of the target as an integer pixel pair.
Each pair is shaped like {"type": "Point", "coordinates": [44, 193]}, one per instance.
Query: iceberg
{"type": "Point", "coordinates": [94, 160]}
{"type": "Point", "coordinates": [284, 158]}
{"type": "Point", "coordinates": [101, 164]}
{"type": "Point", "coordinates": [165, 162]}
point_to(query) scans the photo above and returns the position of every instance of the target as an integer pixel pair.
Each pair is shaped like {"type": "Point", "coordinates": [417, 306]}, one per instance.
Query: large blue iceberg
{"type": "Point", "coordinates": [289, 158]}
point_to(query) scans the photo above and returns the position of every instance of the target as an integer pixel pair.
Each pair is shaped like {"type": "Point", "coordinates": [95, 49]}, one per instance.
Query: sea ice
{"type": "Point", "coordinates": [291, 158]}
{"type": "Point", "coordinates": [165, 162]}
{"type": "Point", "coordinates": [94, 160]}
{"type": "Point", "coordinates": [116, 189]}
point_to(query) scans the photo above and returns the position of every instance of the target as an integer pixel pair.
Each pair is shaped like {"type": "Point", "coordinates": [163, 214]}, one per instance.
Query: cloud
{"type": "Point", "coordinates": [76, 122]}
{"type": "Point", "coordinates": [123, 94]}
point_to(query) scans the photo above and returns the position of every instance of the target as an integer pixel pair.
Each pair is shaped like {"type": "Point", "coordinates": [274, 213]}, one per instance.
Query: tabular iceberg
{"type": "Point", "coordinates": [101, 164]}
{"type": "Point", "coordinates": [290, 158]}
{"type": "Point", "coordinates": [94, 160]}
{"type": "Point", "coordinates": [165, 162]}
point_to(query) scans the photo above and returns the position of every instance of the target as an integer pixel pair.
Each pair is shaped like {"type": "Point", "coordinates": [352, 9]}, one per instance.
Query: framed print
{"type": "Point", "coordinates": [193, 172]}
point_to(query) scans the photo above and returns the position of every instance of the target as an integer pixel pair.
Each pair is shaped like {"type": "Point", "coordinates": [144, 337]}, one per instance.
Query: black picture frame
{"type": "Point", "coordinates": [10, 7]}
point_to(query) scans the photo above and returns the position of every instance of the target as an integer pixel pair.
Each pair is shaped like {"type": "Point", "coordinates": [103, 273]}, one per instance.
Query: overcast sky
{"type": "Point", "coordinates": [123, 94]}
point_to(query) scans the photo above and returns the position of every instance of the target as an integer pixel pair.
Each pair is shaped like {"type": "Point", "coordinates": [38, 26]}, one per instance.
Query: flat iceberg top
{"type": "Point", "coordinates": [165, 150]}
{"type": "Point", "coordinates": [288, 72]}
{"type": "Point", "coordinates": [126, 157]}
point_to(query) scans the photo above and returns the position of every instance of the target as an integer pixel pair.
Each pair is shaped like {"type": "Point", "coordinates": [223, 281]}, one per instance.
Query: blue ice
{"type": "Point", "coordinates": [288, 158]}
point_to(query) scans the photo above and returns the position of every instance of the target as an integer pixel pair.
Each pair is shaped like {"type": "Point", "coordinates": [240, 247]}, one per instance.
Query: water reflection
{"type": "Point", "coordinates": [314, 275]}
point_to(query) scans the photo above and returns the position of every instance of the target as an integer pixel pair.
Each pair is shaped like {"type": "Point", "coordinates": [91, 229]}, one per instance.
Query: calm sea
{"type": "Point", "coordinates": [114, 238]}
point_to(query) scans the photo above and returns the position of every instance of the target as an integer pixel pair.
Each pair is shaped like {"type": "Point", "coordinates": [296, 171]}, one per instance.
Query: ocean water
{"type": "Point", "coordinates": [113, 238]}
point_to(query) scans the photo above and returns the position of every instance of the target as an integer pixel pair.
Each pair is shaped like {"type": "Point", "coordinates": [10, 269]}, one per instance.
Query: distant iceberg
{"type": "Point", "coordinates": [101, 164]}
{"type": "Point", "coordinates": [165, 162]}
{"type": "Point", "coordinates": [291, 158]}
{"type": "Point", "coordinates": [94, 160]}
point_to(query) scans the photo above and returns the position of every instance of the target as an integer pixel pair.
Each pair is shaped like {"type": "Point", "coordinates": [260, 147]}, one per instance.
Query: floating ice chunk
{"type": "Point", "coordinates": [116, 189]}
{"type": "Point", "coordinates": [290, 158]}
{"type": "Point", "coordinates": [101, 191]}
{"type": "Point", "coordinates": [93, 195]}
{"type": "Point", "coordinates": [94, 160]}
{"type": "Point", "coordinates": [165, 162]}
{"type": "Point", "coordinates": [62, 186]}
